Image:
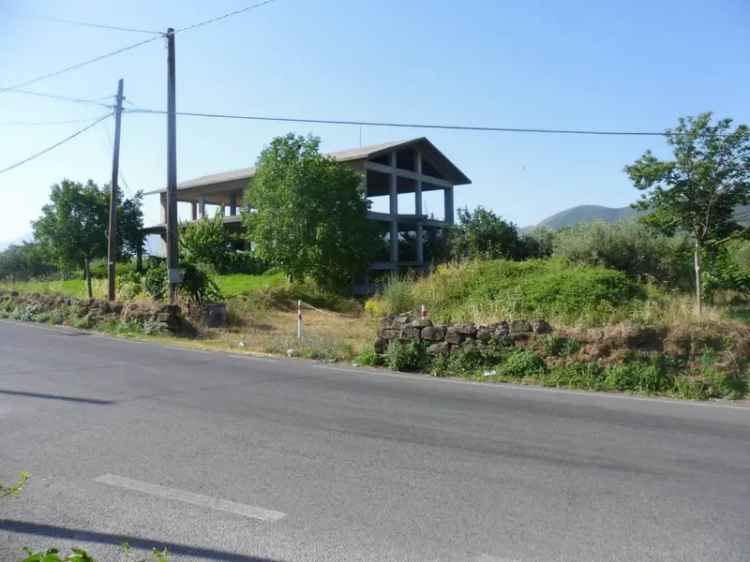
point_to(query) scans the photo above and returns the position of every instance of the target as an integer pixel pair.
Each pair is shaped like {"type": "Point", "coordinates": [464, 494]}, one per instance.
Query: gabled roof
{"type": "Point", "coordinates": [437, 159]}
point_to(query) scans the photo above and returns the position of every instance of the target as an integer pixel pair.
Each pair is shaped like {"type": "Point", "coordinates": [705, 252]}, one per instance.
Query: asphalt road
{"type": "Point", "coordinates": [222, 457]}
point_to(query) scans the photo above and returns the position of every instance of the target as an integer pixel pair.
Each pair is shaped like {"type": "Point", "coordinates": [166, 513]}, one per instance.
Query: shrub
{"type": "Point", "coordinates": [369, 358]}
{"type": "Point", "coordinates": [558, 346]}
{"type": "Point", "coordinates": [638, 376]}
{"type": "Point", "coordinates": [553, 289]}
{"type": "Point", "coordinates": [521, 363]}
{"type": "Point", "coordinates": [155, 281]}
{"type": "Point", "coordinates": [197, 286]}
{"type": "Point", "coordinates": [628, 246]}
{"type": "Point", "coordinates": [397, 295]}
{"type": "Point", "coordinates": [586, 376]}
{"type": "Point", "coordinates": [207, 241]}
{"type": "Point", "coordinates": [410, 356]}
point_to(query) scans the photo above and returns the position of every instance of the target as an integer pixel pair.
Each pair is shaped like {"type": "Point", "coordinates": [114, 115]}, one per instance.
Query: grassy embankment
{"type": "Point", "coordinates": [263, 316]}
{"type": "Point", "coordinates": [574, 299]}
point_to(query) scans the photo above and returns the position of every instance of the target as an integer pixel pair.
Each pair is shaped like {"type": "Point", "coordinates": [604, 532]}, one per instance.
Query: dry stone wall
{"type": "Point", "coordinates": [444, 338]}
{"type": "Point", "coordinates": [169, 317]}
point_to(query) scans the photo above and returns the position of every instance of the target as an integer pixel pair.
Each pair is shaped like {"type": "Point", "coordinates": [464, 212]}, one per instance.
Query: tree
{"type": "Point", "coordinates": [131, 238]}
{"type": "Point", "coordinates": [73, 225]}
{"type": "Point", "coordinates": [482, 234]}
{"type": "Point", "coordinates": [308, 214]}
{"type": "Point", "coordinates": [697, 192]}
{"type": "Point", "coordinates": [25, 261]}
{"type": "Point", "coordinates": [207, 241]}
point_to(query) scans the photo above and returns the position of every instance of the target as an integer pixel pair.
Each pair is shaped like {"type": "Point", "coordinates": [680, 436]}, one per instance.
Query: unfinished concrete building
{"type": "Point", "coordinates": [401, 180]}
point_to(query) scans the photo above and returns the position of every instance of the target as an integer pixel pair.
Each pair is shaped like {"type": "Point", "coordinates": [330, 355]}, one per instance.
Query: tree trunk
{"type": "Point", "coordinates": [698, 281]}
{"type": "Point", "coordinates": [139, 260]}
{"type": "Point", "coordinates": [87, 275]}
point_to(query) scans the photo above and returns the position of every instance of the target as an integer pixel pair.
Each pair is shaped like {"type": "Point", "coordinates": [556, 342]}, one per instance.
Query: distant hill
{"type": "Point", "coordinates": [586, 213]}
{"type": "Point", "coordinates": [589, 213]}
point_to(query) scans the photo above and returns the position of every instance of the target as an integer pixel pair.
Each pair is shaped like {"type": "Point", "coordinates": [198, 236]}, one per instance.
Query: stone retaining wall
{"type": "Point", "coordinates": [168, 316]}
{"type": "Point", "coordinates": [441, 338]}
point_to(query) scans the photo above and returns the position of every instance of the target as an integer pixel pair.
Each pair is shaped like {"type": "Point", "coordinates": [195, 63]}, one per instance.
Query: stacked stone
{"type": "Point", "coordinates": [441, 338]}
{"type": "Point", "coordinates": [168, 316]}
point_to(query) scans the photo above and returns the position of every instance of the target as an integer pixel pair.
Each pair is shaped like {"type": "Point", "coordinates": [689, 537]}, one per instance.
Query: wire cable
{"type": "Point", "coordinates": [41, 123]}
{"type": "Point", "coordinates": [90, 24]}
{"type": "Point", "coordinates": [97, 101]}
{"type": "Point", "coordinates": [78, 65]}
{"type": "Point", "coordinates": [224, 16]}
{"type": "Point", "coordinates": [61, 142]}
{"type": "Point", "coordinates": [130, 47]}
{"type": "Point", "coordinates": [409, 125]}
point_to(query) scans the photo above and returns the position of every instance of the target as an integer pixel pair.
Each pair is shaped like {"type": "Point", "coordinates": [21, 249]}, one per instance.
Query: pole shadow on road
{"type": "Point", "coordinates": [84, 536]}
{"type": "Point", "coordinates": [43, 396]}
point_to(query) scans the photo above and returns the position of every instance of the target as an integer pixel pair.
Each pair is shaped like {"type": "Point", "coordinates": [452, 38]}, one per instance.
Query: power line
{"type": "Point", "coordinates": [130, 47]}
{"type": "Point", "coordinates": [91, 24]}
{"type": "Point", "coordinates": [40, 123]}
{"type": "Point", "coordinates": [410, 125]}
{"type": "Point", "coordinates": [59, 97]}
{"type": "Point", "coordinates": [224, 16]}
{"type": "Point", "coordinates": [63, 141]}
{"type": "Point", "coordinates": [79, 65]}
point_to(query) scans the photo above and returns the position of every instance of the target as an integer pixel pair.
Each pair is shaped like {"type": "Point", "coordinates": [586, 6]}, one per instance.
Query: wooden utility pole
{"type": "Point", "coordinates": [113, 198]}
{"type": "Point", "coordinates": [173, 263]}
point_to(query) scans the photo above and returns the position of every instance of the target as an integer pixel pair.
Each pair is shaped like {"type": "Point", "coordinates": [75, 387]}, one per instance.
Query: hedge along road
{"type": "Point", "coordinates": [221, 457]}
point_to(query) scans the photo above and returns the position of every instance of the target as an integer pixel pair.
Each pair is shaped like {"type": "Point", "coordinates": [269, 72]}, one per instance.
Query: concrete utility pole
{"type": "Point", "coordinates": [113, 197]}
{"type": "Point", "coordinates": [173, 258]}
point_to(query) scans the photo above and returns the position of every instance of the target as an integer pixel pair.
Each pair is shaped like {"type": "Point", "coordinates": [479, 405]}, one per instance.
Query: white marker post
{"type": "Point", "coordinates": [423, 312]}
{"type": "Point", "coordinates": [299, 319]}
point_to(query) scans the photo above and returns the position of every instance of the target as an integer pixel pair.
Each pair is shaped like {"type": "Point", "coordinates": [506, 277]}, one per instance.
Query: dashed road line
{"type": "Point", "coordinates": [184, 496]}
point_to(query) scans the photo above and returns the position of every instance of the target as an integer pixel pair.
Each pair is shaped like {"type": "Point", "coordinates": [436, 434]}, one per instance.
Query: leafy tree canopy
{"type": "Point", "coordinates": [698, 190]}
{"type": "Point", "coordinates": [308, 214]}
{"type": "Point", "coordinates": [481, 233]}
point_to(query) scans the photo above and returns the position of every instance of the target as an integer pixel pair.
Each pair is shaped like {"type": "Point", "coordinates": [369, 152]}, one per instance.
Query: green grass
{"type": "Point", "coordinates": [69, 287]}
{"type": "Point", "coordinates": [490, 290]}
{"type": "Point", "coordinates": [238, 284]}
{"type": "Point", "coordinates": [232, 285]}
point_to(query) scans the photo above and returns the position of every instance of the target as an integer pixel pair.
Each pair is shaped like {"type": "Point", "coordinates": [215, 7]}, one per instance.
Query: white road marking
{"type": "Point", "coordinates": [184, 496]}
{"type": "Point", "coordinates": [488, 558]}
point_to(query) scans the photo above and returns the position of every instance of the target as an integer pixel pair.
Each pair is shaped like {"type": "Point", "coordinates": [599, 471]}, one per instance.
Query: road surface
{"type": "Point", "coordinates": [223, 457]}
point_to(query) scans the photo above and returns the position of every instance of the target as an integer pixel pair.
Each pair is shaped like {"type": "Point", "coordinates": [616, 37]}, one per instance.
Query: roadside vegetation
{"type": "Point", "coordinates": [679, 268]}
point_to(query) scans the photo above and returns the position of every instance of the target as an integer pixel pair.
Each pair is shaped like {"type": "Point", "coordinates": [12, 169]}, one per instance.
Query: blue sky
{"type": "Point", "coordinates": [575, 64]}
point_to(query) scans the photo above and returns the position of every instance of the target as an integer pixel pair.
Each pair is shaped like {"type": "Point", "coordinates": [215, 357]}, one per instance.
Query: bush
{"type": "Point", "coordinates": [369, 358]}
{"type": "Point", "coordinates": [197, 286]}
{"type": "Point", "coordinates": [558, 346]}
{"type": "Point", "coordinates": [410, 356]}
{"type": "Point", "coordinates": [553, 289]}
{"type": "Point", "coordinates": [521, 363]}
{"type": "Point", "coordinates": [22, 262]}
{"type": "Point", "coordinates": [638, 376]}
{"type": "Point", "coordinates": [397, 295]}
{"type": "Point", "coordinates": [587, 376]}
{"type": "Point", "coordinates": [155, 280]}
{"type": "Point", "coordinates": [207, 241]}
{"type": "Point", "coordinates": [630, 247]}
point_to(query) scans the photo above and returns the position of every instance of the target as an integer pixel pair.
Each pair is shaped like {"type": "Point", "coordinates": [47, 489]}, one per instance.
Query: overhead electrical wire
{"type": "Point", "coordinates": [158, 35]}
{"type": "Point", "coordinates": [41, 123]}
{"type": "Point", "coordinates": [78, 65]}
{"type": "Point", "coordinates": [407, 125]}
{"type": "Point", "coordinates": [97, 101]}
{"type": "Point", "coordinates": [225, 16]}
{"type": "Point", "coordinates": [59, 143]}
{"type": "Point", "coordinates": [90, 24]}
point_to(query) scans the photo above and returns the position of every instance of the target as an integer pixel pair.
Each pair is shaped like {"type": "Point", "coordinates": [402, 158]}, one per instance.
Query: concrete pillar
{"type": "Point", "coordinates": [394, 212]}
{"type": "Point", "coordinates": [418, 189]}
{"type": "Point", "coordinates": [163, 209]}
{"type": "Point", "coordinates": [233, 204]}
{"type": "Point", "coordinates": [193, 210]}
{"type": "Point", "coordinates": [448, 191]}
{"type": "Point", "coordinates": [202, 206]}
{"type": "Point", "coordinates": [420, 243]}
